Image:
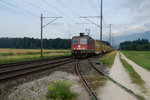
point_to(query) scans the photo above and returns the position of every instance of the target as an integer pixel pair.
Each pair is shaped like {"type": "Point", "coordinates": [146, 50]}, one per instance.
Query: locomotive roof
{"type": "Point", "coordinates": [86, 36]}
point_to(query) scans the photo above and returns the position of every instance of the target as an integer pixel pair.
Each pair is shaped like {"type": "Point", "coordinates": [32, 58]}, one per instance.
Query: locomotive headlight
{"type": "Point", "coordinates": [79, 46]}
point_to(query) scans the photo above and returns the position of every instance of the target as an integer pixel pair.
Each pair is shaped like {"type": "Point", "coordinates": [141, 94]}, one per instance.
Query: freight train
{"type": "Point", "coordinates": [85, 45]}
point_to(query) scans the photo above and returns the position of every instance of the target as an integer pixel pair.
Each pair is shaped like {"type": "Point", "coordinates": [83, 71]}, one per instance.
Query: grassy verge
{"type": "Point", "coordinates": [95, 81]}
{"type": "Point", "coordinates": [139, 57]}
{"type": "Point", "coordinates": [3, 95]}
{"type": "Point", "coordinates": [134, 76]}
{"type": "Point", "coordinates": [109, 58]}
{"type": "Point", "coordinates": [17, 55]}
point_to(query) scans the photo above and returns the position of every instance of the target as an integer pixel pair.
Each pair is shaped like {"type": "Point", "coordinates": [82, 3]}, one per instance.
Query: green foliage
{"type": "Point", "coordinates": [32, 88]}
{"type": "Point", "coordinates": [105, 42]}
{"type": "Point", "coordinates": [109, 58]}
{"type": "Point", "coordinates": [60, 90]}
{"type": "Point", "coordinates": [139, 57]}
{"type": "Point", "coordinates": [3, 95]}
{"type": "Point", "coordinates": [95, 81]}
{"type": "Point", "coordinates": [31, 43]}
{"type": "Point", "coordinates": [140, 45]}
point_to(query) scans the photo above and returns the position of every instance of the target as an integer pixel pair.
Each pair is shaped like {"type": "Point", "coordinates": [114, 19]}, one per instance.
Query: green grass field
{"type": "Point", "coordinates": [109, 58]}
{"type": "Point", "coordinates": [16, 55]}
{"type": "Point", "coordinates": [141, 58]}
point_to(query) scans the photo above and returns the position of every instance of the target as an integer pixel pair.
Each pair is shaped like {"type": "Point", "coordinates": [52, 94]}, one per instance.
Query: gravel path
{"type": "Point", "coordinates": [37, 89]}
{"type": "Point", "coordinates": [112, 92]}
{"type": "Point", "coordinates": [145, 75]}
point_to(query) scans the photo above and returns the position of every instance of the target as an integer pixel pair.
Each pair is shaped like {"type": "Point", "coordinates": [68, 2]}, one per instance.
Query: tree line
{"type": "Point", "coordinates": [31, 43]}
{"type": "Point", "coordinates": [139, 45]}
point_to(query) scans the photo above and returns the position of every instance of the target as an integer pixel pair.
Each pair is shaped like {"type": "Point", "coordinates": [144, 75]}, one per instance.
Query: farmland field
{"type": "Point", "coordinates": [141, 58]}
{"type": "Point", "coordinates": [15, 55]}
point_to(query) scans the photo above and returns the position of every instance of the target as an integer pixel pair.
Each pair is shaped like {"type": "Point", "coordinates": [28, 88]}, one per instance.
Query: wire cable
{"type": "Point", "coordinates": [33, 5]}
{"type": "Point", "coordinates": [19, 8]}
{"type": "Point", "coordinates": [92, 6]}
{"type": "Point", "coordinates": [71, 10]}
{"type": "Point", "coordinates": [52, 6]}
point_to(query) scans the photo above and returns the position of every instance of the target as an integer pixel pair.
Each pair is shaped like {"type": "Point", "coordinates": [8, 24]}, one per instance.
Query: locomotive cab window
{"type": "Point", "coordinates": [83, 41]}
{"type": "Point", "coordinates": [75, 41]}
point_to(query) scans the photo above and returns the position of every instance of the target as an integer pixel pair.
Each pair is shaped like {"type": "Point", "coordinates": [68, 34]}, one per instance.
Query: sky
{"type": "Point", "coordinates": [21, 18]}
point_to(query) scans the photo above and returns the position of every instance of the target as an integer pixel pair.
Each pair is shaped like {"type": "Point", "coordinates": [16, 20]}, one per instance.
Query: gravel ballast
{"type": "Point", "coordinates": [37, 89]}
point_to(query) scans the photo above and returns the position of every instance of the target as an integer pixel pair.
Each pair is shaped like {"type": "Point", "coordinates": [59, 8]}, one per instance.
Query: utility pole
{"type": "Point", "coordinates": [110, 35]}
{"type": "Point", "coordinates": [113, 41]}
{"type": "Point", "coordinates": [41, 35]}
{"type": "Point", "coordinates": [101, 15]}
{"type": "Point", "coordinates": [42, 26]}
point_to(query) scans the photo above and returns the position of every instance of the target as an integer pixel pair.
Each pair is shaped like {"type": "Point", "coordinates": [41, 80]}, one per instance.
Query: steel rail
{"type": "Point", "coordinates": [92, 93]}
{"type": "Point", "coordinates": [30, 67]}
{"type": "Point", "coordinates": [115, 82]}
{"type": "Point", "coordinates": [36, 69]}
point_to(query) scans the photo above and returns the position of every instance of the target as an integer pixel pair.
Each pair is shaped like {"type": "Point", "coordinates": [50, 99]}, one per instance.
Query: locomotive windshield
{"type": "Point", "coordinates": [83, 41]}
{"type": "Point", "coordinates": [75, 41]}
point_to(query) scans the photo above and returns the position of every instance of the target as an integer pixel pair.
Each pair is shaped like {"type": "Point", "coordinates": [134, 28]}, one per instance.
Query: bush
{"type": "Point", "coordinates": [60, 90]}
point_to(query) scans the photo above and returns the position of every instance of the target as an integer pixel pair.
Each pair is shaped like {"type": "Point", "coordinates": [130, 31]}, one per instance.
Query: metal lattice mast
{"type": "Point", "coordinates": [101, 28]}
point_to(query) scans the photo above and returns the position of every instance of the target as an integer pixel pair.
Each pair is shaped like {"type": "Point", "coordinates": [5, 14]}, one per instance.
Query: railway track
{"type": "Point", "coordinates": [14, 70]}
{"type": "Point", "coordinates": [92, 93]}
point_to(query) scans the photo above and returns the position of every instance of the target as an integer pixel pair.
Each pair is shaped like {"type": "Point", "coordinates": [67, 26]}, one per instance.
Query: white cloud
{"type": "Point", "coordinates": [139, 11]}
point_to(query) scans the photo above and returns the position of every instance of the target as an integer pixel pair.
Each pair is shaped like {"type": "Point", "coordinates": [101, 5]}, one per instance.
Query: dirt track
{"type": "Point", "coordinates": [145, 75]}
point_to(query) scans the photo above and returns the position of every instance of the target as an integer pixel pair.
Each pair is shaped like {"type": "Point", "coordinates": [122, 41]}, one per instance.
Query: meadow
{"type": "Point", "coordinates": [141, 58]}
{"type": "Point", "coordinates": [16, 55]}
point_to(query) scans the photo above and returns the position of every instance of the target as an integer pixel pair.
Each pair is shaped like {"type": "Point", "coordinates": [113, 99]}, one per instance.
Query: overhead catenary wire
{"type": "Point", "coordinates": [23, 9]}
{"type": "Point", "coordinates": [52, 6]}
{"type": "Point", "coordinates": [92, 6]}
{"type": "Point", "coordinates": [19, 8]}
{"type": "Point", "coordinates": [34, 5]}
{"type": "Point", "coordinates": [71, 10]}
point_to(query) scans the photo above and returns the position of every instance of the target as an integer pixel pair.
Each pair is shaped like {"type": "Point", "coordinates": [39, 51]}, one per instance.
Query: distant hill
{"type": "Point", "coordinates": [131, 37]}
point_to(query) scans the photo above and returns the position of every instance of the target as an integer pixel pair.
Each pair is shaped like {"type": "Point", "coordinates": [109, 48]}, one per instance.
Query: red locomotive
{"type": "Point", "coordinates": [82, 45]}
